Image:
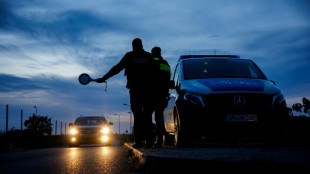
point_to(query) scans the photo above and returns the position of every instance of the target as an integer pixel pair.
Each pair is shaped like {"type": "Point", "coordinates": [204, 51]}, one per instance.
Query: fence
{"type": "Point", "coordinates": [13, 118]}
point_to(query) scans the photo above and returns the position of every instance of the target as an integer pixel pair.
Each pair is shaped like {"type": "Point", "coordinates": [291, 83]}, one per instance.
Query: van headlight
{"type": "Point", "coordinates": [73, 131]}
{"type": "Point", "coordinates": [105, 130]}
{"type": "Point", "coordinates": [194, 98]}
{"type": "Point", "coordinates": [278, 99]}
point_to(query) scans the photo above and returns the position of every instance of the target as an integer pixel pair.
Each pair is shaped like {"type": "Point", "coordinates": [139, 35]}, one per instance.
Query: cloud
{"type": "Point", "coordinates": [11, 83]}
{"type": "Point", "coordinates": [65, 27]}
{"type": "Point", "coordinates": [37, 59]}
{"type": "Point", "coordinates": [66, 95]}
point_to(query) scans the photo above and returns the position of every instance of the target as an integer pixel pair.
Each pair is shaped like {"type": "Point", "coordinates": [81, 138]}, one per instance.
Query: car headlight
{"type": "Point", "coordinates": [104, 138]}
{"type": "Point", "coordinates": [194, 98]}
{"type": "Point", "coordinates": [278, 98]}
{"type": "Point", "coordinates": [73, 131]}
{"type": "Point", "coordinates": [105, 130]}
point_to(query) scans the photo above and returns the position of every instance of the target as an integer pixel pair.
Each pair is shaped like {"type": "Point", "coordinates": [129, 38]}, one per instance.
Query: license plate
{"type": "Point", "coordinates": [241, 118]}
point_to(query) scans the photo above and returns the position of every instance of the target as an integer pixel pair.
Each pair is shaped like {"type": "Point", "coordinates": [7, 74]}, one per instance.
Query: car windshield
{"type": "Point", "coordinates": [90, 121]}
{"type": "Point", "coordinates": [220, 68]}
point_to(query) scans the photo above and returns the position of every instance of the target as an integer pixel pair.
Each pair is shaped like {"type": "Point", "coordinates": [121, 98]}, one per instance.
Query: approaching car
{"type": "Point", "coordinates": [219, 96]}
{"type": "Point", "coordinates": [90, 129]}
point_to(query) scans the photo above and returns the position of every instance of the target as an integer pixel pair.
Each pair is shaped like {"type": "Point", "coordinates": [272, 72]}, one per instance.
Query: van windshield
{"type": "Point", "coordinates": [221, 68]}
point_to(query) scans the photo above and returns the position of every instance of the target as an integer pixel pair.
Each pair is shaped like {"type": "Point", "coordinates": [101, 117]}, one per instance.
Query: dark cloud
{"type": "Point", "coordinates": [289, 37]}
{"type": "Point", "coordinates": [66, 27]}
{"type": "Point", "coordinates": [74, 24]}
{"type": "Point", "coordinates": [11, 83]}
{"type": "Point", "coordinates": [8, 47]}
{"type": "Point", "coordinates": [66, 90]}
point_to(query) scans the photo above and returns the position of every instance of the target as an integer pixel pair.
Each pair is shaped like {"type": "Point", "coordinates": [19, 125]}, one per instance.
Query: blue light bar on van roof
{"type": "Point", "coordinates": [200, 56]}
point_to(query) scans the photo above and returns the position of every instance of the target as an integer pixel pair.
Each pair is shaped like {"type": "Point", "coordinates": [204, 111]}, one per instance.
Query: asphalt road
{"type": "Point", "coordinates": [84, 159]}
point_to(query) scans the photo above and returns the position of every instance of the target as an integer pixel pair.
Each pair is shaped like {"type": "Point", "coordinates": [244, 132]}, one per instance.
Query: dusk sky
{"type": "Point", "coordinates": [46, 45]}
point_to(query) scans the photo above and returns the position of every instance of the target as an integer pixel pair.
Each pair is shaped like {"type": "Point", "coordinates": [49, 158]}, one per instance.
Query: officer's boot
{"type": "Point", "coordinates": [159, 142]}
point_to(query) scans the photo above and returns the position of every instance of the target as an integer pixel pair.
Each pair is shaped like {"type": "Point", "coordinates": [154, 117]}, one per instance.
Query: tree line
{"type": "Point", "coordinates": [39, 125]}
{"type": "Point", "coordinates": [303, 107]}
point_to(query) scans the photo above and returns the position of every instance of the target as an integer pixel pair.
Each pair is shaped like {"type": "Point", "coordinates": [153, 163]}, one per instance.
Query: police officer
{"type": "Point", "coordinates": [161, 93]}
{"type": "Point", "coordinates": [139, 69]}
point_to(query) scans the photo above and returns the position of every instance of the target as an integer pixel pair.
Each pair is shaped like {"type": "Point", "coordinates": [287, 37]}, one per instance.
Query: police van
{"type": "Point", "coordinates": [216, 96]}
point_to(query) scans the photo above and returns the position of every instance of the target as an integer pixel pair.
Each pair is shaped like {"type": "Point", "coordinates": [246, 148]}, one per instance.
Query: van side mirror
{"type": "Point", "coordinates": [273, 82]}
{"type": "Point", "coordinates": [110, 123]}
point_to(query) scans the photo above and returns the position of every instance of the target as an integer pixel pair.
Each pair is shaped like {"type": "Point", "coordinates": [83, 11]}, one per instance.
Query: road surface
{"type": "Point", "coordinates": [84, 159]}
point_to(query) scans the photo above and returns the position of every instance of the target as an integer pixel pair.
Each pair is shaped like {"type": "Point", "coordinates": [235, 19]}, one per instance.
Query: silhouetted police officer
{"type": "Point", "coordinates": [139, 69]}
{"type": "Point", "coordinates": [161, 93]}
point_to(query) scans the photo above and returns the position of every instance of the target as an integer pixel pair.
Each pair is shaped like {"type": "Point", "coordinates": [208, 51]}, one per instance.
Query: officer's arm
{"type": "Point", "coordinates": [114, 70]}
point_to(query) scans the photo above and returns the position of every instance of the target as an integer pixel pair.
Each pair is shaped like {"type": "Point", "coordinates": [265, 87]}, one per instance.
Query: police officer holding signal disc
{"type": "Point", "coordinates": [139, 69]}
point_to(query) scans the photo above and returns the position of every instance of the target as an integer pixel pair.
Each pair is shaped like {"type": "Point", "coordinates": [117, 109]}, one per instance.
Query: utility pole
{"type": "Point", "coordinates": [21, 119]}
{"type": "Point", "coordinates": [130, 127]}
{"type": "Point", "coordinates": [36, 110]}
{"type": "Point", "coordinates": [119, 124]}
{"type": "Point", "coordinates": [65, 128]}
{"type": "Point", "coordinates": [56, 128]}
{"type": "Point", "coordinates": [7, 118]}
{"type": "Point", "coordinates": [61, 128]}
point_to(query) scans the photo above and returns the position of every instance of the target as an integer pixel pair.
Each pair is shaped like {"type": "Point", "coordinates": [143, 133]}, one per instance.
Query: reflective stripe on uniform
{"type": "Point", "coordinates": [164, 67]}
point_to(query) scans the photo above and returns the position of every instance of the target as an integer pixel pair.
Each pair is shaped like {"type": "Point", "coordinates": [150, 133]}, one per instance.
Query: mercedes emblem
{"type": "Point", "coordinates": [239, 101]}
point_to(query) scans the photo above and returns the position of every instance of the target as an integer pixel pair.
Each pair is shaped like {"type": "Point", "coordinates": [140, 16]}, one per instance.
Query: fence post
{"type": "Point", "coordinates": [61, 128]}
{"type": "Point", "coordinates": [7, 118]}
{"type": "Point", "coordinates": [21, 119]}
{"type": "Point", "coordinates": [56, 128]}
